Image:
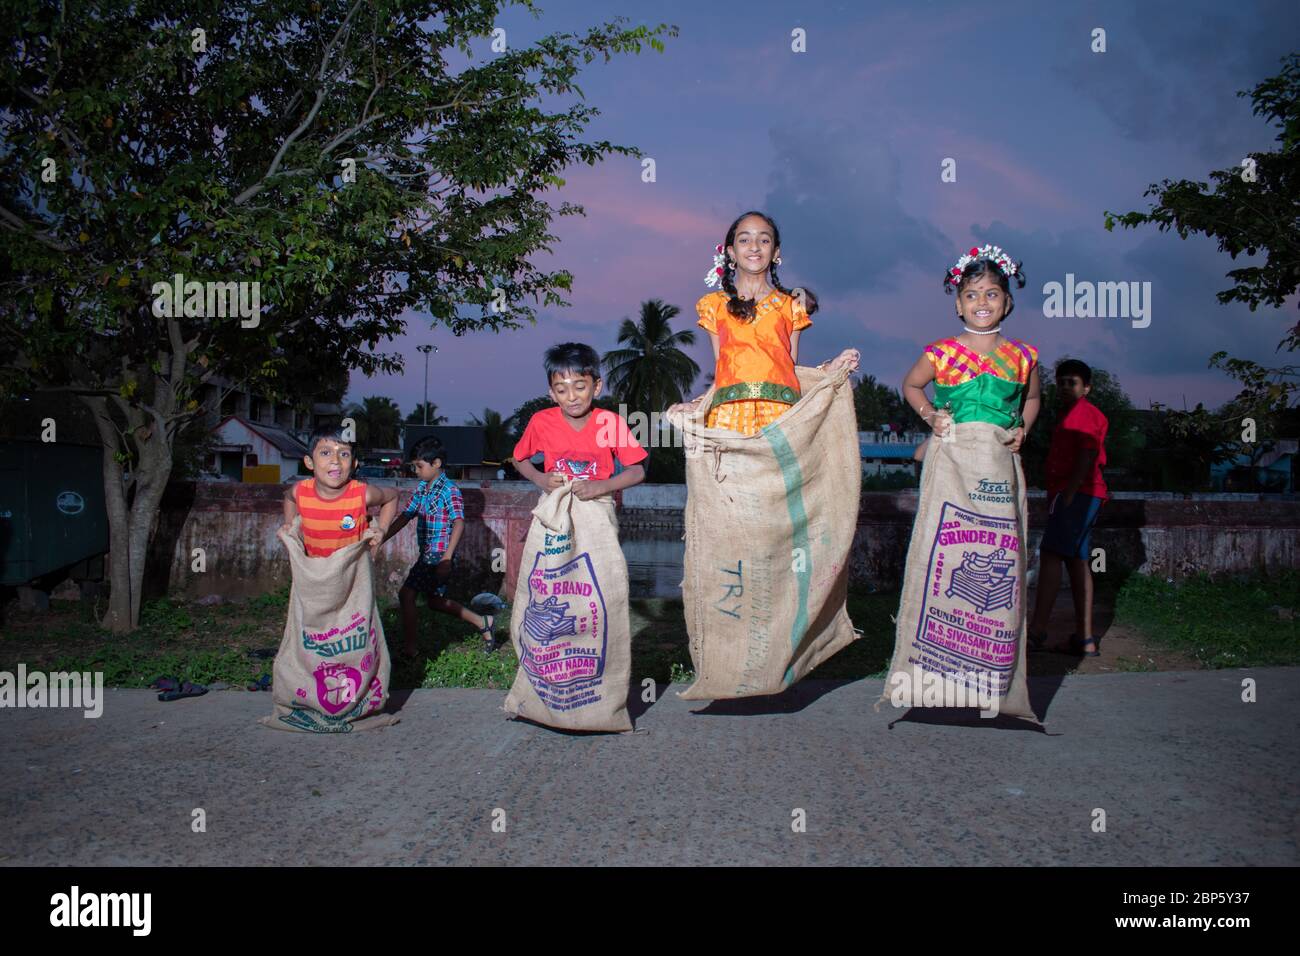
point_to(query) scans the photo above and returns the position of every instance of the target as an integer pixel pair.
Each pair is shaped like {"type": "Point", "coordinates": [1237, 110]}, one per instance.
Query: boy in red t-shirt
{"type": "Point", "coordinates": [580, 442]}
{"type": "Point", "coordinates": [1075, 492]}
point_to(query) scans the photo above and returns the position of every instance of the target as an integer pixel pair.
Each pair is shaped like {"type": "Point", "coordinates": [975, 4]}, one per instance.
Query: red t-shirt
{"type": "Point", "coordinates": [1083, 427]}
{"type": "Point", "coordinates": [586, 454]}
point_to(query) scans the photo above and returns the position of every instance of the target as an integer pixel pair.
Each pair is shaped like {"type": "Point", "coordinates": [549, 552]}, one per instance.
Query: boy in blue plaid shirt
{"type": "Point", "coordinates": [440, 512]}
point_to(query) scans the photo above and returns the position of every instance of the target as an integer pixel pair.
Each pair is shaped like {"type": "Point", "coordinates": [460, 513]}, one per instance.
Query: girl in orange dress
{"type": "Point", "coordinates": [754, 322]}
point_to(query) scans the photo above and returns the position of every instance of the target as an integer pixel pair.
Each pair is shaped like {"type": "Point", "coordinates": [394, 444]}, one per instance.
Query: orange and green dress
{"type": "Point", "coordinates": [982, 388]}
{"type": "Point", "coordinates": [754, 382]}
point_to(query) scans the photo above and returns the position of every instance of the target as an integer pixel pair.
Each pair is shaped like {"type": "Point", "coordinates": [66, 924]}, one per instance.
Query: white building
{"type": "Point", "coordinates": [239, 443]}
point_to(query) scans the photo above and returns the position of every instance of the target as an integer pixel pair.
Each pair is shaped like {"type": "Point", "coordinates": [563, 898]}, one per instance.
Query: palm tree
{"type": "Point", "coordinates": [651, 372]}
{"type": "Point", "coordinates": [496, 434]}
{"type": "Point", "coordinates": [417, 417]}
{"type": "Point", "coordinates": [378, 421]}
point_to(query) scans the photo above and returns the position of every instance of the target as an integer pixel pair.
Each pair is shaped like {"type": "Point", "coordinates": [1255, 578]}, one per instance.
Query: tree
{"type": "Point", "coordinates": [304, 176]}
{"type": "Point", "coordinates": [417, 417]}
{"type": "Point", "coordinates": [519, 419]}
{"type": "Point", "coordinates": [651, 372]}
{"type": "Point", "coordinates": [378, 421]}
{"type": "Point", "coordinates": [877, 405]}
{"type": "Point", "coordinates": [1252, 209]}
{"type": "Point", "coordinates": [496, 434]}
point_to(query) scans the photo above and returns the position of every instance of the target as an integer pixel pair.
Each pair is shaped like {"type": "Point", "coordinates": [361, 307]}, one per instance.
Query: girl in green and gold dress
{"type": "Point", "coordinates": [979, 375]}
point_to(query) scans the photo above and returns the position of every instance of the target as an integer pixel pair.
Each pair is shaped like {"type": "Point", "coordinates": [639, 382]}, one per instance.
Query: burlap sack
{"type": "Point", "coordinates": [961, 623]}
{"type": "Point", "coordinates": [569, 623]}
{"type": "Point", "coordinates": [331, 672]}
{"type": "Point", "coordinates": [770, 520]}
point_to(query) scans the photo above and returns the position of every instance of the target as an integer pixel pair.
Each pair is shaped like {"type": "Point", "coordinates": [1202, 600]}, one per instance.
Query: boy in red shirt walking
{"type": "Point", "coordinates": [1075, 492]}
{"type": "Point", "coordinates": [580, 442]}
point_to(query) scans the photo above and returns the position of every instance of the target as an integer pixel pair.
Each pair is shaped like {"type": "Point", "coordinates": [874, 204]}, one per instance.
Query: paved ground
{"type": "Point", "coordinates": [1186, 772]}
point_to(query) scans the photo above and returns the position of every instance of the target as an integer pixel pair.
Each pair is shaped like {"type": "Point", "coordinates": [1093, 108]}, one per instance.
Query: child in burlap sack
{"type": "Point", "coordinates": [331, 670]}
{"type": "Point", "coordinates": [961, 622]}
{"type": "Point", "coordinates": [569, 623]}
{"type": "Point", "coordinates": [765, 599]}
{"type": "Point", "coordinates": [754, 324]}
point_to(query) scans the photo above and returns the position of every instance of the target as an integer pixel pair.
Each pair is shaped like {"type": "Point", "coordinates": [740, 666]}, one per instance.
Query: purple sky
{"type": "Point", "coordinates": [843, 145]}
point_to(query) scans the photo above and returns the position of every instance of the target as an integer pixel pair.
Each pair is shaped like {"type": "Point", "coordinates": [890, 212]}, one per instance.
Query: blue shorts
{"type": "Point", "coordinates": [1069, 527]}
{"type": "Point", "coordinates": [423, 579]}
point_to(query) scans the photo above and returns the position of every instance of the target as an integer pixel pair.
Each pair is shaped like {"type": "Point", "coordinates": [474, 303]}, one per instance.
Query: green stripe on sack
{"type": "Point", "coordinates": [792, 474]}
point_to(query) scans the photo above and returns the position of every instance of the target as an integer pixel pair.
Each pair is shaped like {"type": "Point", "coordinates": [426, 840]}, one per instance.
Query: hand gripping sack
{"type": "Point", "coordinates": [770, 520]}
{"type": "Point", "coordinates": [569, 622]}
{"type": "Point", "coordinates": [961, 622]}
{"type": "Point", "coordinates": [331, 672]}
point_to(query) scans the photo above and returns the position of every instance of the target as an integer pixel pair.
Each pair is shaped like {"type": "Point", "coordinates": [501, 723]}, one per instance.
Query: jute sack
{"type": "Point", "coordinates": [569, 622]}
{"type": "Point", "coordinates": [770, 520]}
{"type": "Point", "coordinates": [331, 672]}
{"type": "Point", "coordinates": [961, 623]}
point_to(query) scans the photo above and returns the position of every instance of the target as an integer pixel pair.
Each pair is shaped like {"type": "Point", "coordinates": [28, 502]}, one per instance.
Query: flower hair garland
{"type": "Point", "coordinates": [714, 276]}
{"type": "Point", "coordinates": [992, 253]}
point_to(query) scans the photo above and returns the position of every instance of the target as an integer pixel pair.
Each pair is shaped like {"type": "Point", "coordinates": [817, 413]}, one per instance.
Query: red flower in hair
{"type": "Point", "coordinates": [974, 252]}
{"type": "Point", "coordinates": [718, 271]}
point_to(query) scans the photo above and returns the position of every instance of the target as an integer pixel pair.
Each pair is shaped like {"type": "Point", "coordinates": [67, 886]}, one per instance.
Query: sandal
{"type": "Point", "coordinates": [1080, 645]}
{"type": "Point", "coordinates": [185, 690]}
{"type": "Point", "coordinates": [262, 683]}
{"type": "Point", "coordinates": [490, 642]}
{"type": "Point", "coordinates": [166, 683]}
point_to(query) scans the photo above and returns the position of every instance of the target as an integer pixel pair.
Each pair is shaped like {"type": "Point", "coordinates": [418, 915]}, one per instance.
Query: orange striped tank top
{"type": "Point", "coordinates": [330, 523]}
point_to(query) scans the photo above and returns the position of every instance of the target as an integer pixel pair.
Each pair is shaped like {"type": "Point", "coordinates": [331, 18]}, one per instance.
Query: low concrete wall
{"type": "Point", "coordinates": [235, 525]}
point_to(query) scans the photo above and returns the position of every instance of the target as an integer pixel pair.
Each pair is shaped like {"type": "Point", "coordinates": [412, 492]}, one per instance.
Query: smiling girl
{"type": "Point", "coordinates": [754, 323]}
{"type": "Point", "coordinates": [979, 375]}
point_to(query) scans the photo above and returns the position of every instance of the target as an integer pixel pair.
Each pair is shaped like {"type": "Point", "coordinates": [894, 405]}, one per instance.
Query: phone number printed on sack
{"type": "Point", "coordinates": [970, 611]}
{"type": "Point", "coordinates": [564, 633]}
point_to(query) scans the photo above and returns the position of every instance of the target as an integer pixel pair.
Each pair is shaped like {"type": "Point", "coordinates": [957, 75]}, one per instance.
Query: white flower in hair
{"type": "Point", "coordinates": [714, 276]}
{"type": "Point", "coordinates": [993, 253]}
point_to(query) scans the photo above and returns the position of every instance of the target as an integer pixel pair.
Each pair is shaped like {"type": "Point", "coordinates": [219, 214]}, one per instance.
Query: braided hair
{"type": "Point", "coordinates": [986, 267]}
{"type": "Point", "coordinates": [745, 309]}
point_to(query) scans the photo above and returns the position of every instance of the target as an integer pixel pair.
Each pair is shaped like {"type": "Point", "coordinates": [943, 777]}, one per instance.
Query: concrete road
{"type": "Point", "coordinates": [1185, 772]}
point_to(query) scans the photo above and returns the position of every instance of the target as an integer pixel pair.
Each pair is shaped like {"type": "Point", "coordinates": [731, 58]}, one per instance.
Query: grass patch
{"type": "Point", "coordinates": [206, 644]}
{"type": "Point", "coordinates": [1229, 622]}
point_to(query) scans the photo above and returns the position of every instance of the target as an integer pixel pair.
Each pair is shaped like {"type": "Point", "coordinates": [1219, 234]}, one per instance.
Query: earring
{"type": "Point", "coordinates": [776, 261]}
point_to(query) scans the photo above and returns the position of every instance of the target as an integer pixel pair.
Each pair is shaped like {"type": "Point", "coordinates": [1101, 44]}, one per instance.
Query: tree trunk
{"type": "Point", "coordinates": [130, 524]}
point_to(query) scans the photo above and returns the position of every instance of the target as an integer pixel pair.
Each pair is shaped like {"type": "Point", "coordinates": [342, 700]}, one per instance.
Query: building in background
{"type": "Point", "coordinates": [889, 452]}
{"type": "Point", "coordinates": [238, 445]}
{"type": "Point", "coordinates": [464, 446]}
{"type": "Point", "coordinates": [1272, 471]}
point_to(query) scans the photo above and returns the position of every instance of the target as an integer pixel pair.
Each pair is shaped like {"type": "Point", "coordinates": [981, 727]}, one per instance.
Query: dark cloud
{"type": "Point", "coordinates": [1188, 324]}
{"type": "Point", "coordinates": [835, 194]}
{"type": "Point", "coordinates": [1171, 71]}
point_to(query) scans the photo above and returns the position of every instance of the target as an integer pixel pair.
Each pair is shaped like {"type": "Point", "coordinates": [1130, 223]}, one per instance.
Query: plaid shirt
{"type": "Point", "coordinates": [436, 505]}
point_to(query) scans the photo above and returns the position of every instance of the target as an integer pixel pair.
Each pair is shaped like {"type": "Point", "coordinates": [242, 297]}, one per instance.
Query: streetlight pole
{"type": "Point", "coordinates": [426, 349]}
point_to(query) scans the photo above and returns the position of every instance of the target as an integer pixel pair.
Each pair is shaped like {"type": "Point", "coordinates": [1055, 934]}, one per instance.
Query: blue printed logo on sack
{"type": "Point", "coordinates": [564, 632]}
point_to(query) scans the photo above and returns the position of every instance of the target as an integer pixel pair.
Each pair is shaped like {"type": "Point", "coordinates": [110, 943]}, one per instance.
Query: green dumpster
{"type": "Point", "coordinates": [52, 511]}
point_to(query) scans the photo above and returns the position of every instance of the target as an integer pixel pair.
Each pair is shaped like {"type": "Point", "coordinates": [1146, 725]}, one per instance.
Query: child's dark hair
{"type": "Point", "coordinates": [1075, 367]}
{"type": "Point", "coordinates": [745, 308]}
{"type": "Point", "coordinates": [428, 450]}
{"type": "Point", "coordinates": [986, 267]}
{"type": "Point", "coordinates": [332, 431]}
{"type": "Point", "coordinates": [571, 357]}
